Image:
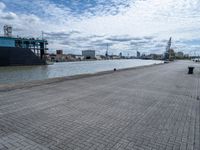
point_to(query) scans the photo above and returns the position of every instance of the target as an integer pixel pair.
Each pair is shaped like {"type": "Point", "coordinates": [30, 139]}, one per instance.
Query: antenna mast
{"type": "Point", "coordinates": [107, 51]}
{"type": "Point", "coordinates": [7, 30]}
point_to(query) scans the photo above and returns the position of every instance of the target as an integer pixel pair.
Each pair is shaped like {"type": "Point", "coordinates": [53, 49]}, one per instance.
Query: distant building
{"type": "Point", "coordinates": [186, 56]}
{"type": "Point", "coordinates": [116, 57]}
{"type": "Point", "coordinates": [59, 52]}
{"type": "Point", "coordinates": [52, 57]}
{"type": "Point", "coordinates": [156, 56]}
{"type": "Point", "coordinates": [60, 58]}
{"type": "Point", "coordinates": [98, 57]}
{"type": "Point", "coordinates": [88, 54]}
{"type": "Point", "coordinates": [179, 55]}
{"type": "Point", "coordinates": [169, 55]}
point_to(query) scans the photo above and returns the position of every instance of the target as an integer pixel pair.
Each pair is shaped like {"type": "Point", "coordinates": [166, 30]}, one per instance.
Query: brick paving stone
{"type": "Point", "coordinates": [150, 108]}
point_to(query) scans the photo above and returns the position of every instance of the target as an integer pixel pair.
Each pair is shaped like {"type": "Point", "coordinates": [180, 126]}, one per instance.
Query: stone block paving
{"type": "Point", "coordinates": [15, 141]}
{"type": "Point", "coordinates": [151, 108]}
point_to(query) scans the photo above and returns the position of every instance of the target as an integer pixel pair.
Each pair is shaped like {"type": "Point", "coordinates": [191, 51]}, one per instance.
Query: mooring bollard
{"type": "Point", "coordinates": [190, 70]}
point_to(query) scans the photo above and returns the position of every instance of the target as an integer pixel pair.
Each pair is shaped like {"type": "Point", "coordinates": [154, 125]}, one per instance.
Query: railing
{"type": "Point", "coordinates": [25, 37]}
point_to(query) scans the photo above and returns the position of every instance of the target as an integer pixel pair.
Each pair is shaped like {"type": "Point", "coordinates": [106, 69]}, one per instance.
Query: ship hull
{"type": "Point", "coordinates": [12, 56]}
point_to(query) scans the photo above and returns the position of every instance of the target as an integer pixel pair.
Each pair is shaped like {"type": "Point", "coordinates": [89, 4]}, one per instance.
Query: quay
{"type": "Point", "coordinates": [148, 108]}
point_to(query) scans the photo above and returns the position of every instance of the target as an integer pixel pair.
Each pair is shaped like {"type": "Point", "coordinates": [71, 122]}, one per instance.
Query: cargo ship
{"type": "Point", "coordinates": [18, 51]}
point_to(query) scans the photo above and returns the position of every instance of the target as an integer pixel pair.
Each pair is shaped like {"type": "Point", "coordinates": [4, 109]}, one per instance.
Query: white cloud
{"type": "Point", "coordinates": [125, 20]}
{"type": "Point", "coordinates": [2, 6]}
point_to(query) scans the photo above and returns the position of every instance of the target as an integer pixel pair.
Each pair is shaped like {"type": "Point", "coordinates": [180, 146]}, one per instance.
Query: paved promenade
{"type": "Point", "coordinates": [150, 108]}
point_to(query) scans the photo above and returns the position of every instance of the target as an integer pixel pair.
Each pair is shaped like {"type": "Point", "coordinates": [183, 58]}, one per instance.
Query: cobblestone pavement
{"type": "Point", "coordinates": [151, 108]}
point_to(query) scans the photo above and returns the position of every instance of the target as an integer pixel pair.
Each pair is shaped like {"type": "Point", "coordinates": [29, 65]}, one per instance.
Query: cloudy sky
{"type": "Point", "coordinates": [125, 25]}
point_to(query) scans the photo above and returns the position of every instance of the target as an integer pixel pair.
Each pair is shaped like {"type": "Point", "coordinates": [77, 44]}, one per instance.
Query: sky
{"type": "Point", "coordinates": [125, 26]}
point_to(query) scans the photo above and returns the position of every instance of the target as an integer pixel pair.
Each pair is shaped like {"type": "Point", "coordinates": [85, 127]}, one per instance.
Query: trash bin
{"type": "Point", "coordinates": [190, 70]}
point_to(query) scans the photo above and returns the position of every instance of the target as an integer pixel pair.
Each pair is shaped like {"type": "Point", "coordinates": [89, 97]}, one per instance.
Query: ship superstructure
{"type": "Point", "coordinates": [21, 51]}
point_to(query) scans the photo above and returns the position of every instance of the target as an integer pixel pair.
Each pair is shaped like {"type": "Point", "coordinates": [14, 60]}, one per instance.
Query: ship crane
{"type": "Point", "coordinates": [168, 49]}
{"type": "Point", "coordinates": [169, 43]}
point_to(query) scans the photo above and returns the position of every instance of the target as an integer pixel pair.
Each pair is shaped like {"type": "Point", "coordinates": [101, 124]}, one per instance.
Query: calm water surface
{"type": "Point", "coordinates": [30, 73]}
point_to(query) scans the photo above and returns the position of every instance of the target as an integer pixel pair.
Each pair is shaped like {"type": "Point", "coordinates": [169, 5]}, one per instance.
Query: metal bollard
{"type": "Point", "coordinates": [190, 70]}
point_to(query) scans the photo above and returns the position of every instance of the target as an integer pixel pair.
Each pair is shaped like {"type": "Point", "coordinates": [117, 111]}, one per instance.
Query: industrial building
{"type": "Point", "coordinates": [59, 52]}
{"type": "Point", "coordinates": [88, 54]}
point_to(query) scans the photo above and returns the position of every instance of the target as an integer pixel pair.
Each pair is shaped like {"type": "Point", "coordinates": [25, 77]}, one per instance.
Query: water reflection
{"type": "Point", "coordinates": [29, 73]}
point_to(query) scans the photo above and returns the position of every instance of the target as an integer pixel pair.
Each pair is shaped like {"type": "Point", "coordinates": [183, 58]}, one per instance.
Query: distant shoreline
{"type": "Point", "coordinates": [29, 84]}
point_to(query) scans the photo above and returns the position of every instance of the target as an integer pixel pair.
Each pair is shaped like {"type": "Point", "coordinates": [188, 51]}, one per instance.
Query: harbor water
{"type": "Point", "coordinates": [30, 73]}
